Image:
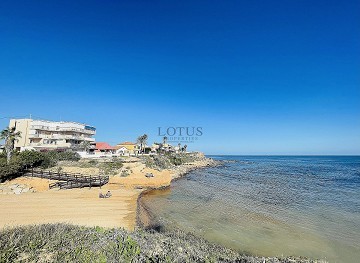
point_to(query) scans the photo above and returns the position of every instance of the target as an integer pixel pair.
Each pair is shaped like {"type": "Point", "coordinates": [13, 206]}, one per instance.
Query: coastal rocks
{"type": "Point", "coordinates": [200, 162]}
{"type": "Point", "coordinates": [16, 189]}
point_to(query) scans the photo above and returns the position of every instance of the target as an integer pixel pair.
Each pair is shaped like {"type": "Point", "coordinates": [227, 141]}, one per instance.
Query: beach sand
{"type": "Point", "coordinates": [79, 206]}
{"type": "Point", "coordinates": [83, 206]}
{"type": "Point", "coordinates": [75, 206]}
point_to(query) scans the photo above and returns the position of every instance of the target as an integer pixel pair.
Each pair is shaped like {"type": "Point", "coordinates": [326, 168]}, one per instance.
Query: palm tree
{"type": "Point", "coordinates": [185, 146]}
{"type": "Point", "coordinates": [10, 136]}
{"type": "Point", "coordinates": [86, 145]}
{"type": "Point", "coordinates": [145, 137]}
{"type": "Point", "coordinates": [142, 140]}
{"type": "Point", "coordinates": [159, 150]}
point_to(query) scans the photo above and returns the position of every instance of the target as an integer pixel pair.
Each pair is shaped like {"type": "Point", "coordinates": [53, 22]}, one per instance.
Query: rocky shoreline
{"type": "Point", "coordinates": [201, 162]}
{"type": "Point", "coordinates": [144, 217]}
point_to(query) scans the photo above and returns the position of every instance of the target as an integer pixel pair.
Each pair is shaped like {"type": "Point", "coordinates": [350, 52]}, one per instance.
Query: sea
{"type": "Point", "coordinates": [269, 205]}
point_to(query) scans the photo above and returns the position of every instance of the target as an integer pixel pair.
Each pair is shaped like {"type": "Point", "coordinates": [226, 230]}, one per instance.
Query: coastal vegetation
{"type": "Point", "coordinates": [21, 161]}
{"type": "Point", "coordinates": [169, 160]}
{"type": "Point", "coordinates": [10, 135]}
{"type": "Point", "coordinates": [111, 168]}
{"type": "Point", "coordinates": [69, 243]}
{"type": "Point", "coordinates": [102, 167]}
{"type": "Point", "coordinates": [142, 140]}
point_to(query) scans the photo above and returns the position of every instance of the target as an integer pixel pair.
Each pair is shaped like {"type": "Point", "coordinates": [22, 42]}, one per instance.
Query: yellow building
{"type": "Point", "coordinates": [127, 148]}
{"type": "Point", "coordinates": [41, 134]}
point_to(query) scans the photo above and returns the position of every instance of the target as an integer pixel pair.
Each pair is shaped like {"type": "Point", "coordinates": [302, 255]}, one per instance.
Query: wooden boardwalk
{"type": "Point", "coordinates": [69, 180]}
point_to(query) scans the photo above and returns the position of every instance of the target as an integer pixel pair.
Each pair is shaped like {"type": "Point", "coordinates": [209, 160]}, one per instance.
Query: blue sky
{"type": "Point", "coordinates": [260, 77]}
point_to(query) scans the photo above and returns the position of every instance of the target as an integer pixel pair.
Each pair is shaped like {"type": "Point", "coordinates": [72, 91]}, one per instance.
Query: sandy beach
{"type": "Point", "coordinates": [75, 206]}
{"type": "Point", "coordinates": [40, 205]}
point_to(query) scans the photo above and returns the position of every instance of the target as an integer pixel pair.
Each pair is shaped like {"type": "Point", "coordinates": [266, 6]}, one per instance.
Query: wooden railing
{"type": "Point", "coordinates": [69, 180]}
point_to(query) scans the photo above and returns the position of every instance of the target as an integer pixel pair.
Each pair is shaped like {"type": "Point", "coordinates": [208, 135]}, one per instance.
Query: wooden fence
{"type": "Point", "coordinates": [69, 180]}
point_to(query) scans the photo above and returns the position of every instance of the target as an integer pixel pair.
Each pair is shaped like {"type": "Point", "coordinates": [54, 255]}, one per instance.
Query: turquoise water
{"type": "Point", "coordinates": [270, 206]}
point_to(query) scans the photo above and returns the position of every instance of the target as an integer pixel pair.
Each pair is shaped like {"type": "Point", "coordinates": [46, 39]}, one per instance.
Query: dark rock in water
{"type": "Point", "coordinates": [156, 227]}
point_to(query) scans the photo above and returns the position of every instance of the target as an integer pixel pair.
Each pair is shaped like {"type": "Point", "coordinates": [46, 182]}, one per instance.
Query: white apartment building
{"type": "Point", "coordinates": [41, 134]}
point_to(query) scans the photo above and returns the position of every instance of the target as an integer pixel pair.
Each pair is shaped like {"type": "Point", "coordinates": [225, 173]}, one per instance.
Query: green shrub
{"type": "Point", "coordinates": [125, 173]}
{"type": "Point", "coordinates": [11, 170]}
{"type": "Point", "coordinates": [55, 156]}
{"type": "Point", "coordinates": [175, 160]}
{"type": "Point", "coordinates": [168, 160]}
{"type": "Point", "coordinates": [67, 243]}
{"type": "Point", "coordinates": [2, 155]}
{"type": "Point", "coordinates": [21, 161]}
{"type": "Point", "coordinates": [18, 163]}
{"type": "Point", "coordinates": [158, 162]}
{"type": "Point", "coordinates": [110, 168]}
{"type": "Point", "coordinates": [30, 158]}
{"type": "Point", "coordinates": [93, 162]}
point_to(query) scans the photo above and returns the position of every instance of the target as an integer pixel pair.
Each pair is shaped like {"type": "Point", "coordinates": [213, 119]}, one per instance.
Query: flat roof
{"type": "Point", "coordinates": [57, 122]}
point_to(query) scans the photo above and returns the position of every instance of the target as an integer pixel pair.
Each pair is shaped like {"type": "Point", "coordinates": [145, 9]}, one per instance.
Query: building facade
{"type": "Point", "coordinates": [127, 148]}
{"type": "Point", "coordinates": [41, 134]}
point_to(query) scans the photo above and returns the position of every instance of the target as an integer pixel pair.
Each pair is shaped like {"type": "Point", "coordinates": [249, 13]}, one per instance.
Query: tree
{"type": "Point", "coordinates": [30, 158]}
{"type": "Point", "coordinates": [142, 140]}
{"type": "Point", "coordinates": [185, 146]}
{"type": "Point", "coordinates": [86, 146]}
{"type": "Point", "coordinates": [159, 150]}
{"type": "Point", "coordinates": [10, 136]}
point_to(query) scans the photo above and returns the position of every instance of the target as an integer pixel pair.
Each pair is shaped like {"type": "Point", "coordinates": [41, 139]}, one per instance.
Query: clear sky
{"type": "Point", "coordinates": [260, 77]}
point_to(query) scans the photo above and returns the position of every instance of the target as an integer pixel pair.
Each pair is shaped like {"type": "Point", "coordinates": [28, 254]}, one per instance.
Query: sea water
{"type": "Point", "coordinates": [270, 206]}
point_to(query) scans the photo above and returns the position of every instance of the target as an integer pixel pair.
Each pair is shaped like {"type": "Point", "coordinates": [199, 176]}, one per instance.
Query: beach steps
{"type": "Point", "coordinates": [70, 180]}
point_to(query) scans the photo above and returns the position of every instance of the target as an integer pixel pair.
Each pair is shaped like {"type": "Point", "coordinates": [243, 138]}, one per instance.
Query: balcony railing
{"type": "Point", "coordinates": [61, 145]}
{"type": "Point", "coordinates": [34, 136]}
{"type": "Point", "coordinates": [61, 137]}
{"type": "Point", "coordinates": [48, 128]}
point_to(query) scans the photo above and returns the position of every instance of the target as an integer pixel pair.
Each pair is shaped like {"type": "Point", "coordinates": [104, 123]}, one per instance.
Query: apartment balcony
{"type": "Point", "coordinates": [53, 146]}
{"type": "Point", "coordinates": [80, 138]}
{"type": "Point", "coordinates": [70, 137]}
{"type": "Point", "coordinates": [35, 136]}
{"type": "Point", "coordinates": [89, 132]}
{"type": "Point", "coordinates": [48, 128]}
{"type": "Point", "coordinates": [89, 139]}
{"type": "Point", "coordinates": [62, 137]}
{"type": "Point", "coordinates": [39, 127]}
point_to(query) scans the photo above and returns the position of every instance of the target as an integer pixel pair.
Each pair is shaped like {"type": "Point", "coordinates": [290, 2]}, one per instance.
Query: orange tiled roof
{"type": "Point", "coordinates": [103, 146]}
